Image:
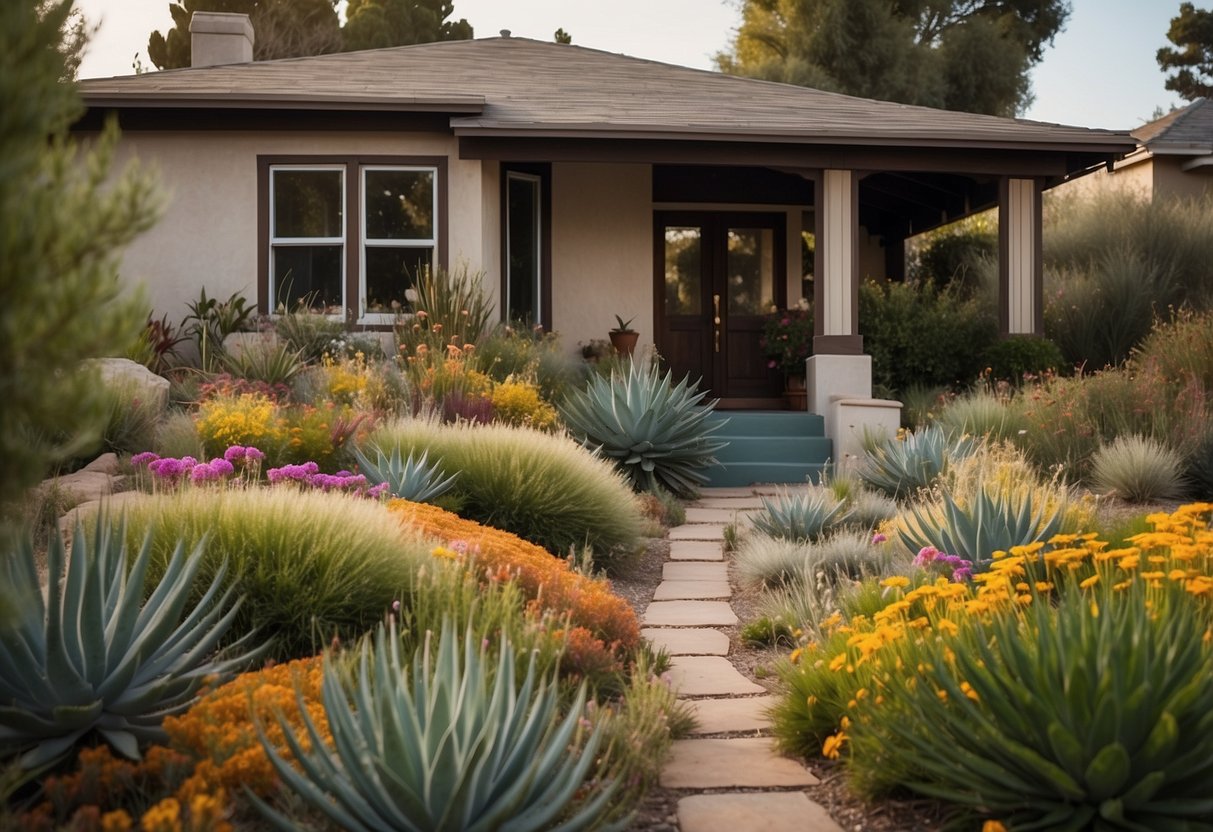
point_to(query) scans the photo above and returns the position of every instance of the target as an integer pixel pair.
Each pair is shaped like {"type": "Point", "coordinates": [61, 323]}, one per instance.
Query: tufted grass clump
{"type": "Point", "coordinates": [1138, 469]}
{"type": "Point", "coordinates": [546, 489]}
{"type": "Point", "coordinates": [982, 414]}
{"type": "Point", "coordinates": [312, 565]}
{"type": "Point", "coordinates": [774, 562]}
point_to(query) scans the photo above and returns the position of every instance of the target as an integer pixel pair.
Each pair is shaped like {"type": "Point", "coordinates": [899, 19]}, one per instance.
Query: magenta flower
{"type": "Point", "coordinates": [879, 538]}
{"type": "Point", "coordinates": [145, 458]}
{"type": "Point", "coordinates": [252, 454]}
{"type": "Point", "coordinates": [222, 467]}
{"type": "Point", "coordinates": [234, 453]}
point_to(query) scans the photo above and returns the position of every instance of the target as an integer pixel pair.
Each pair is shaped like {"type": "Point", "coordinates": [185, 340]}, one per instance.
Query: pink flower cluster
{"type": "Point", "coordinates": [172, 470]}
{"type": "Point", "coordinates": [308, 474]}
{"type": "Point", "coordinates": [931, 559]}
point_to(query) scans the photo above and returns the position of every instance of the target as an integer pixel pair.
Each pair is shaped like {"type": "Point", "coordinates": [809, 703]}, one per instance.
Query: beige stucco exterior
{"type": "Point", "coordinates": [207, 235]}
{"type": "Point", "coordinates": [1147, 176]}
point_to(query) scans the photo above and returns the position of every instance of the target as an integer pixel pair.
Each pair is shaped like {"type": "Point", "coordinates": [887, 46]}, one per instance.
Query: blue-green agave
{"type": "Point", "coordinates": [459, 746]}
{"type": "Point", "coordinates": [93, 656]}
{"type": "Point", "coordinates": [657, 432]}
{"type": "Point", "coordinates": [988, 524]}
{"type": "Point", "coordinates": [802, 516]}
{"type": "Point", "coordinates": [409, 479]}
{"type": "Point", "coordinates": [898, 467]}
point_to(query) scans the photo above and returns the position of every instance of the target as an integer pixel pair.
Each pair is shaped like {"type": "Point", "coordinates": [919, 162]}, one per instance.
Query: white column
{"type": "Point", "coordinates": [1019, 251]}
{"type": "Point", "coordinates": [838, 213]}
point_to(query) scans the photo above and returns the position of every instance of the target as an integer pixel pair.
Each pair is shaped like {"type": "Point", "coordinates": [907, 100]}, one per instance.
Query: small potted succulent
{"type": "Point", "coordinates": [623, 337]}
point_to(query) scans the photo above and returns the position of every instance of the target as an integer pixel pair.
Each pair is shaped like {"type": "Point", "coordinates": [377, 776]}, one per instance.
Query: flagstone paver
{"type": "Point", "coordinates": [727, 491]}
{"type": "Point", "coordinates": [709, 676]}
{"type": "Point", "coordinates": [718, 515]}
{"type": "Point", "coordinates": [691, 590]}
{"type": "Point", "coordinates": [691, 571]}
{"type": "Point", "coordinates": [770, 812]}
{"type": "Point", "coordinates": [720, 716]}
{"type": "Point", "coordinates": [690, 614]}
{"type": "Point", "coordinates": [696, 550]}
{"type": "Point", "coordinates": [686, 641]}
{"type": "Point", "coordinates": [748, 762]}
{"type": "Point", "coordinates": [729, 502]}
{"type": "Point", "coordinates": [697, 531]}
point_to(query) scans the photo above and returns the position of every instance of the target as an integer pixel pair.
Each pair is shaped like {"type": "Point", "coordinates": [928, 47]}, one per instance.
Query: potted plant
{"type": "Point", "coordinates": [623, 337]}
{"type": "Point", "coordinates": [787, 341]}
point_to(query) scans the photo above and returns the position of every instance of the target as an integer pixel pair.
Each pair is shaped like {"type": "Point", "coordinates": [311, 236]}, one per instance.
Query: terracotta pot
{"type": "Point", "coordinates": [624, 342]}
{"type": "Point", "coordinates": [796, 394]}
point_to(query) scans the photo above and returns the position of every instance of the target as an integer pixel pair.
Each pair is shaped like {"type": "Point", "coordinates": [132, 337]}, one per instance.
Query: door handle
{"type": "Point", "coordinates": [716, 321]}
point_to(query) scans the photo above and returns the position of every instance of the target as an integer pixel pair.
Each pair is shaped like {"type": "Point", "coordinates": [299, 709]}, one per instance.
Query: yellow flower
{"type": "Point", "coordinates": [897, 581]}
{"type": "Point", "coordinates": [993, 826]}
{"type": "Point", "coordinates": [833, 744]}
{"type": "Point", "coordinates": [1089, 582]}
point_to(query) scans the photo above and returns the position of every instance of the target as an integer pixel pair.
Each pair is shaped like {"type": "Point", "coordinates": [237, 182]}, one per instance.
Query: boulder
{"type": "Point", "coordinates": [82, 486]}
{"type": "Point", "coordinates": [237, 343]}
{"type": "Point", "coordinates": [152, 390]}
{"type": "Point", "coordinates": [105, 464]}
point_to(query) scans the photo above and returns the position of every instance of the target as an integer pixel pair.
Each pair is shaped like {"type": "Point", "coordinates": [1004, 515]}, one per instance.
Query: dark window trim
{"type": "Point", "coordinates": [544, 172]}
{"type": "Point", "coordinates": [353, 220]}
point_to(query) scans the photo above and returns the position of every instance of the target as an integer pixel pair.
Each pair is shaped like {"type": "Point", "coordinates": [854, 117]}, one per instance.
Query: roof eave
{"type": "Point", "coordinates": [458, 104]}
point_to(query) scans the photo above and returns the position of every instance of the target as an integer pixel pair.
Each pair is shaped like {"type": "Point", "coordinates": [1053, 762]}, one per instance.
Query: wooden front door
{"type": "Point", "coordinates": [717, 277]}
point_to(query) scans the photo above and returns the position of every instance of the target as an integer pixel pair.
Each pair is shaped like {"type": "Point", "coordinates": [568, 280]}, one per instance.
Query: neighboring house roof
{"type": "Point", "coordinates": [1185, 131]}
{"type": "Point", "coordinates": [524, 88]}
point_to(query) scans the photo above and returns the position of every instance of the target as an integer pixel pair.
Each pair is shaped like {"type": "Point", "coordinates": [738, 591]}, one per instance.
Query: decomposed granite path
{"type": "Point", "coordinates": [731, 777]}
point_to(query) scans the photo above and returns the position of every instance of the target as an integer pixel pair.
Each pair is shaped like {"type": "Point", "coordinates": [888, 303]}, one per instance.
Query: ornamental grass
{"type": "Point", "coordinates": [549, 582]}
{"type": "Point", "coordinates": [543, 488]}
{"type": "Point", "coordinates": [1071, 681]}
{"type": "Point", "coordinates": [313, 565]}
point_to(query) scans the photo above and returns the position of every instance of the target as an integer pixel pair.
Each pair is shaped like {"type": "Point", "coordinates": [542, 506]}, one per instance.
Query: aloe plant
{"type": "Point", "coordinates": [899, 467]}
{"type": "Point", "coordinates": [458, 747]}
{"type": "Point", "coordinates": [93, 656]}
{"type": "Point", "coordinates": [409, 479]}
{"type": "Point", "coordinates": [802, 516]}
{"type": "Point", "coordinates": [990, 523]}
{"type": "Point", "coordinates": [657, 432]}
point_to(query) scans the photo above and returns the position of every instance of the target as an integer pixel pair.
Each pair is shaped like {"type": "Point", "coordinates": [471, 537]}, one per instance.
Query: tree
{"type": "Point", "coordinates": [63, 223]}
{"type": "Point", "coordinates": [373, 24]}
{"type": "Point", "coordinates": [1192, 31]}
{"type": "Point", "coordinates": [561, 36]}
{"type": "Point", "coordinates": [971, 55]}
{"type": "Point", "coordinates": [282, 29]}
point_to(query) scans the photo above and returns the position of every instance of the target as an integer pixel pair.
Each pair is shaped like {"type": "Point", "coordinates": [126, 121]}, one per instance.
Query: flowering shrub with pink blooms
{"type": "Point", "coordinates": [955, 567]}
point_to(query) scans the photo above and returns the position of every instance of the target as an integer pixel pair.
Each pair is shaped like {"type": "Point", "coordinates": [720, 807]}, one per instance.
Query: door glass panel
{"type": "Point", "coordinates": [683, 270]}
{"type": "Point", "coordinates": [750, 271]}
{"type": "Point", "coordinates": [522, 240]}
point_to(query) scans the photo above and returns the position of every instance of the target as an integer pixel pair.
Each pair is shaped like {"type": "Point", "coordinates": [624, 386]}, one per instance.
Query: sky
{"type": "Point", "coordinates": [1100, 71]}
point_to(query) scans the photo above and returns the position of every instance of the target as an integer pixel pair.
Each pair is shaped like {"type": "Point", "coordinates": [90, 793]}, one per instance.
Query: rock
{"type": "Point", "coordinates": [105, 464]}
{"type": "Point", "coordinates": [80, 487]}
{"type": "Point", "coordinates": [113, 503]}
{"type": "Point", "coordinates": [237, 343]}
{"type": "Point", "coordinates": [150, 389]}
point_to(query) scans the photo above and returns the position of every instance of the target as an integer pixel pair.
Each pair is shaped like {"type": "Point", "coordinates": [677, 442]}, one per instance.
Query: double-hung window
{"type": "Point", "coordinates": [348, 236]}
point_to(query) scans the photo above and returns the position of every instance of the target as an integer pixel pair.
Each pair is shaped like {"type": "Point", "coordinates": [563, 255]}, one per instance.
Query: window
{"type": "Point", "coordinates": [526, 221]}
{"type": "Point", "coordinates": [349, 236]}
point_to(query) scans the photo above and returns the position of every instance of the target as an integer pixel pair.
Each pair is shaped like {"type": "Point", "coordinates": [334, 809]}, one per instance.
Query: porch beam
{"type": "Point", "coordinates": [1020, 271]}
{"type": "Point", "coordinates": [836, 288]}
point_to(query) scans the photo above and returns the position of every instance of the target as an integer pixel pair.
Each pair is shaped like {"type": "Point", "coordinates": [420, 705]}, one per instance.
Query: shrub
{"type": "Point", "coordinates": [450, 308]}
{"type": "Point", "coordinates": [1137, 469]}
{"type": "Point", "coordinates": [95, 657]}
{"type": "Point", "coordinates": [898, 466]}
{"type": "Point", "coordinates": [457, 744]}
{"type": "Point", "coordinates": [1016, 356]}
{"type": "Point", "coordinates": [868, 509]}
{"type": "Point", "coordinates": [310, 333]}
{"type": "Point", "coordinates": [543, 488]}
{"type": "Point", "coordinates": [654, 430]}
{"type": "Point", "coordinates": [546, 580]}
{"type": "Point", "coordinates": [951, 255]}
{"type": "Point", "coordinates": [130, 423]}
{"type": "Point", "coordinates": [518, 403]}
{"type": "Point", "coordinates": [800, 516]}
{"type": "Point", "coordinates": [266, 360]}
{"type": "Point", "coordinates": [911, 330]}
{"type": "Point", "coordinates": [920, 403]}
{"type": "Point", "coordinates": [312, 564]}
{"type": "Point", "coordinates": [1180, 349]}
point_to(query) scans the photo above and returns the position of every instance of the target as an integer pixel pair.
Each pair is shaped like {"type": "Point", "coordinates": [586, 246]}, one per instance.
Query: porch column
{"type": "Point", "coordinates": [1020, 276]}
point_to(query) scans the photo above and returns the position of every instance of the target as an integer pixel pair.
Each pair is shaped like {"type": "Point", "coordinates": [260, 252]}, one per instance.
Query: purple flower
{"type": "Point", "coordinates": [188, 462]}
{"type": "Point", "coordinates": [878, 538]}
{"type": "Point", "coordinates": [926, 555]}
{"type": "Point", "coordinates": [222, 467]}
{"type": "Point", "coordinates": [167, 468]}
{"type": "Point", "coordinates": [145, 458]}
{"type": "Point", "coordinates": [251, 454]}
{"type": "Point", "coordinates": [234, 453]}
{"type": "Point", "coordinates": [202, 472]}
{"type": "Point", "coordinates": [962, 575]}
{"type": "Point", "coordinates": [377, 491]}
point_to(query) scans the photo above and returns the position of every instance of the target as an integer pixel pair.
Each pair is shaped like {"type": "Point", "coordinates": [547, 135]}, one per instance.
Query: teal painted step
{"type": "Point", "coordinates": [769, 446]}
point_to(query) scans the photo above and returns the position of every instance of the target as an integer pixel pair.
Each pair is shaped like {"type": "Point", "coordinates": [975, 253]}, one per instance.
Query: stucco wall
{"type": "Point", "coordinates": [207, 236]}
{"type": "Point", "coordinates": [602, 249]}
{"type": "Point", "coordinates": [1171, 180]}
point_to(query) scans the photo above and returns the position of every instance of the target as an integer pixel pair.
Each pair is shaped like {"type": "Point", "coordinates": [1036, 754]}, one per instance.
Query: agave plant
{"type": "Point", "coordinates": [409, 479]}
{"type": "Point", "coordinates": [94, 657]}
{"type": "Point", "coordinates": [990, 523]}
{"type": "Point", "coordinates": [461, 747]}
{"type": "Point", "coordinates": [899, 467]}
{"type": "Point", "coordinates": [656, 431]}
{"type": "Point", "coordinates": [806, 515]}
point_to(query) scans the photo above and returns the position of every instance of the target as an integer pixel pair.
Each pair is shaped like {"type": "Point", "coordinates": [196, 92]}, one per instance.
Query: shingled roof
{"type": "Point", "coordinates": [520, 87]}
{"type": "Point", "coordinates": [1188, 130]}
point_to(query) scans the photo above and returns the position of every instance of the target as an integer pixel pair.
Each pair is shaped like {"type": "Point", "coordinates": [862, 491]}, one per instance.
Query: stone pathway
{"type": "Point", "coordinates": [732, 749]}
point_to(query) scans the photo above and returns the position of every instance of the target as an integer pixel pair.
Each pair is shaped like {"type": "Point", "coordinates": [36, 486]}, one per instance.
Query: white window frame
{"type": "Point", "coordinates": [283, 242]}
{"type": "Point", "coordinates": [536, 182]}
{"type": "Point", "coordinates": [431, 243]}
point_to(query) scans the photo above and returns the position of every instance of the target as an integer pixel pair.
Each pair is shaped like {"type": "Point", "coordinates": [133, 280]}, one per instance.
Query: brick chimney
{"type": "Point", "coordinates": [220, 38]}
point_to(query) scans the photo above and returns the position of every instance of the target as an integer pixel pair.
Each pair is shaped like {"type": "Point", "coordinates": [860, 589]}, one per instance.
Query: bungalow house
{"type": "Point", "coordinates": [583, 184]}
{"type": "Point", "coordinates": [1173, 157]}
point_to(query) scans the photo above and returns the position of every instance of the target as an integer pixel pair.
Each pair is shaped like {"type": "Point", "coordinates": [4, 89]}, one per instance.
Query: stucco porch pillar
{"type": "Point", "coordinates": [1020, 275]}
{"type": "Point", "coordinates": [838, 375]}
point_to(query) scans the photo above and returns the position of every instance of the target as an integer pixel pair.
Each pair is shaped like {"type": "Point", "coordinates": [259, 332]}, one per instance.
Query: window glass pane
{"type": "Point", "coordinates": [751, 271]}
{"type": "Point", "coordinates": [523, 239]}
{"type": "Point", "coordinates": [399, 204]}
{"type": "Point", "coordinates": [390, 271]}
{"type": "Point", "coordinates": [683, 270]}
{"type": "Point", "coordinates": [311, 274]}
{"type": "Point", "coordinates": [307, 203]}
